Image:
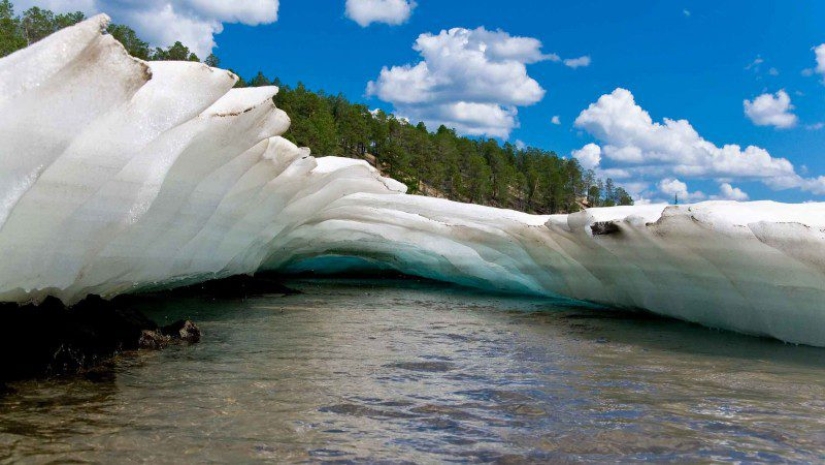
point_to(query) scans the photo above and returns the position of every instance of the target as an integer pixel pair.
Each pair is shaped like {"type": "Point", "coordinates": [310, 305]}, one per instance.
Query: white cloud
{"type": "Point", "coordinates": [771, 110]}
{"type": "Point", "coordinates": [755, 64]}
{"type": "Point", "coordinates": [162, 22]}
{"type": "Point", "coordinates": [470, 118]}
{"type": "Point", "coordinates": [61, 6]}
{"type": "Point", "coordinates": [639, 191]}
{"type": "Point", "coordinates": [580, 62]}
{"type": "Point", "coordinates": [393, 12]}
{"type": "Point", "coordinates": [728, 192]}
{"type": "Point", "coordinates": [815, 126]}
{"type": "Point", "coordinates": [643, 149]}
{"type": "Point", "coordinates": [674, 189]}
{"type": "Point", "coordinates": [556, 120]}
{"type": "Point", "coordinates": [589, 156]}
{"type": "Point", "coordinates": [820, 59]}
{"type": "Point", "coordinates": [472, 80]}
{"type": "Point", "coordinates": [520, 145]}
{"type": "Point", "coordinates": [773, 72]}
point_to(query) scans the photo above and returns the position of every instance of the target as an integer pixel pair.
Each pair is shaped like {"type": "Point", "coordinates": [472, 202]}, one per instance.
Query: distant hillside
{"type": "Point", "coordinates": [441, 163]}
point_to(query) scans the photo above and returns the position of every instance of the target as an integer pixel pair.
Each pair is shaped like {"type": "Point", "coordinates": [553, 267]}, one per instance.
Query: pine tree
{"type": "Point", "coordinates": [68, 19]}
{"type": "Point", "coordinates": [11, 37]}
{"type": "Point", "coordinates": [212, 60]}
{"type": "Point", "coordinates": [36, 24]}
{"type": "Point", "coordinates": [128, 37]}
{"type": "Point", "coordinates": [609, 192]}
{"type": "Point", "coordinates": [175, 52]}
{"type": "Point", "coordinates": [260, 80]}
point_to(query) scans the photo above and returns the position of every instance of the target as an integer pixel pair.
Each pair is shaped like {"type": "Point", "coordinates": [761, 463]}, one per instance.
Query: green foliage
{"type": "Point", "coordinates": [126, 36]}
{"type": "Point", "coordinates": [68, 19]}
{"type": "Point", "coordinates": [605, 193]}
{"type": "Point", "coordinates": [315, 127]}
{"type": "Point", "coordinates": [440, 163]}
{"type": "Point", "coordinates": [212, 61]}
{"type": "Point", "coordinates": [175, 52]}
{"type": "Point", "coordinates": [36, 24]}
{"type": "Point", "coordinates": [11, 37]}
{"type": "Point", "coordinates": [260, 81]}
{"type": "Point", "coordinates": [6, 9]}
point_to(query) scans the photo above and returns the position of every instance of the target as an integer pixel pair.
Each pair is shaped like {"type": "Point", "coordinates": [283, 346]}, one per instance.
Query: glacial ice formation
{"type": "Point", "coordinates": [118, 175]}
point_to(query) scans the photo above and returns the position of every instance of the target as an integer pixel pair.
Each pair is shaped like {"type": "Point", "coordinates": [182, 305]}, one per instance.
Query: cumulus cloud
{"type": "Point", "coordinates": [771, 110]}
{"type": "Point", "coordinates": [366, 12]}
{"type": "Point", "coordinates": [580, 62]}
{"type": "Point", "coordinates": [640, 149]}
{"type": "Point", "coordinates": [671, 189]}
{"type": "Point", "coordinates": [589, 156]}
{"type": "Point", "coordinates": [728, 192]}
{"type": "Point", "coordinates": [472, 80]}
{"type": "Point", "coordinates": [61, 6]}
{"type": "Point", "coordinates": [556, 120]}
{"type": "Point", "coordinates": [820, 59]}
{"type": "Point", "coordinates": [677, 190]}
{"type": "Point", "coordinates": [162, 22]}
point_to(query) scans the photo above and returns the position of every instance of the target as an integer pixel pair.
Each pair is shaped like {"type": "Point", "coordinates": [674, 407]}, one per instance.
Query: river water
{"type": "Point", "coordinates": [410, 372]}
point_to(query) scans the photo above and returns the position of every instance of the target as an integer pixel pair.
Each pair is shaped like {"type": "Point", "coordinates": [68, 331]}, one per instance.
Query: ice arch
{"type": "Point", "coordinates": [118, 175]}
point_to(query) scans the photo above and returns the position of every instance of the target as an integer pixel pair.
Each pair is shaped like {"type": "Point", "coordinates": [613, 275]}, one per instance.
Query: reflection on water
{"type": "Point", "coordinates": [400, 372]}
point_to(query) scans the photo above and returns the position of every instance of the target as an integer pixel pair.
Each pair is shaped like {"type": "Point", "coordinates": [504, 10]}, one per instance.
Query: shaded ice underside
{"type": "Point", "coordinates": [118, 175]}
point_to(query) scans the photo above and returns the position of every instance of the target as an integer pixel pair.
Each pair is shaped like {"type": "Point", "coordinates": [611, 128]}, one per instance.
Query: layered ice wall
{"type": "Point", "coordinates": [118, 175]}
{"type": "Point", "coordinates": [756, 268]}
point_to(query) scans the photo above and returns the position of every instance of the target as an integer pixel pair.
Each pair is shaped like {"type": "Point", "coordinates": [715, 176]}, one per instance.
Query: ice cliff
{"type": "Point", "coordinates": [118, 175]}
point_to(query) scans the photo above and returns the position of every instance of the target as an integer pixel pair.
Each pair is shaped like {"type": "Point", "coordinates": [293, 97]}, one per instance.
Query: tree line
{"type": "Point", "coordinates": [439, 163]}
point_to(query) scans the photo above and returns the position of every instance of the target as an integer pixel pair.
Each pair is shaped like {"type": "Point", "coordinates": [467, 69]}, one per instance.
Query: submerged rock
{"type": "Point", "coordinates": [183, 330]}
{"type": "Point", "coordinates": [153, 340]}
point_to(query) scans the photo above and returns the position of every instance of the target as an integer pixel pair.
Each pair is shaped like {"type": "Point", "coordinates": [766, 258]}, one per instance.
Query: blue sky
{"type": "Point", "coordinates": [685, 60]}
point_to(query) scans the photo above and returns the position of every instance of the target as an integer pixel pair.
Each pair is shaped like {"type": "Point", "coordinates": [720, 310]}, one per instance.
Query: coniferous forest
{"type": "Point", "coordinates": [430, 161]}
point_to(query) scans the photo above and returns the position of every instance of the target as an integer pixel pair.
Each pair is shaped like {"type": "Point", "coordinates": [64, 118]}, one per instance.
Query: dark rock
{"type": "Point", "coordinates": [53, 340]}
{"type": "Point", "coordinates": [49, 338]}
{"type": "Point", "coordinates": [152, 340]}
{"type": "Point", "coordinates": [604, 228]}
{"type": "Point", "coordinates": [183, 330]}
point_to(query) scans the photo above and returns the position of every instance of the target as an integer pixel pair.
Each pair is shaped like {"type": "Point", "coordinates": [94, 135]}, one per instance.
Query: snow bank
{"type": "Point", "coordinates": [118, 176]}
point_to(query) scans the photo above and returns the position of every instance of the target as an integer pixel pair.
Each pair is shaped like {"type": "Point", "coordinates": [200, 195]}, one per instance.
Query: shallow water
{"type": "Point", "coordinates": [407, 372]}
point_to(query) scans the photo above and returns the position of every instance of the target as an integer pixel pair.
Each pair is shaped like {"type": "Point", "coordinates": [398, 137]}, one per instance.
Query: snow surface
{"type": "Point", "coordinates": [118, 175]}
